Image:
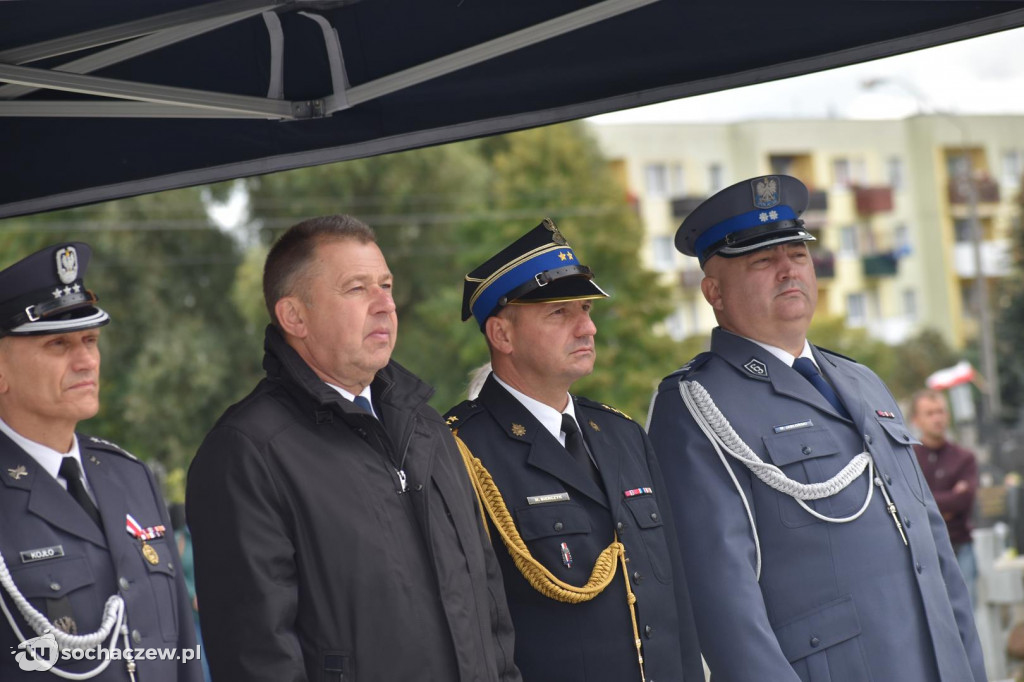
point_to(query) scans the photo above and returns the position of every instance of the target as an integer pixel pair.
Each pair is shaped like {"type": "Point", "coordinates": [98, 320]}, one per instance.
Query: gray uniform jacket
{"type": "Point", "coordinates": [566, 520]}
{"type": "Point", "coordinates": [84, 566]}
{"type": "Point", "coordinates": [836, 602]}
{"type": "Point", "coordinates": [314, 562]}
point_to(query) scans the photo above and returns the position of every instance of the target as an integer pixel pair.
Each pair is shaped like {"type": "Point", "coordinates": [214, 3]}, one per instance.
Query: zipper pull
{"type": "Point", "coordinates": [401, 478]}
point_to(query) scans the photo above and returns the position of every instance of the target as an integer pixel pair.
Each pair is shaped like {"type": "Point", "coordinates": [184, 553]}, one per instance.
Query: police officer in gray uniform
{"type": "Point", "coordinates": [813, 548]}
{"type": "Point", "coordinates": [570, 486]}
{"type": "Point", "coordinates": [89, 563]}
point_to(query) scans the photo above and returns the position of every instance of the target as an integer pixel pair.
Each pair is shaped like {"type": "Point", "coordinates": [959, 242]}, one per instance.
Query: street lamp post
{"type": "Point", "coordinates": [969, 186]}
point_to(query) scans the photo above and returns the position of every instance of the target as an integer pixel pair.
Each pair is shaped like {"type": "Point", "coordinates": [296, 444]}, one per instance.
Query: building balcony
{"type": "Point", "coordinates": [996, 258]}
{"type": "Point", "coordinates": [872, 200]}
{"type": "Point", "coordinates": [817, 200]}
{"type": "Point", "coordinates": [683, 206]}
{"type": "Point", "coordinates": [824, 264]}
{"type": "Point", "coordinates": [880, 264]}
{"type": "Point", "coordinates": [988, 191]}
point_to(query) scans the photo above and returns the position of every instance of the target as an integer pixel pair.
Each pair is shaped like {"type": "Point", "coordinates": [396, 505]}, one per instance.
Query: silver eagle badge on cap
{"type": "Point", "coordinates": [67, 264]}
{"type": "Point", "coordinates": [766, 191]}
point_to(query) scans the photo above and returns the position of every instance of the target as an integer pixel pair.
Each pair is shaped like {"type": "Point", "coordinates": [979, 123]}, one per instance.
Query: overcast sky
{"type": "Point", "coordinates": [978, 76]}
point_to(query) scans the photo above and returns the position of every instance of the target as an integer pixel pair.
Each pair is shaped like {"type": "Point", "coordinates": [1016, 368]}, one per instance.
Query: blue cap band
{"type": "Point", "coordinates": [490, 292]}
{"type": "Point", "coordinates": [761, 216]}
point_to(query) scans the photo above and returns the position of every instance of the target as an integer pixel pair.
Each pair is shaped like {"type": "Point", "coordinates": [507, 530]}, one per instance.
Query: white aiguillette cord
{"type": "Point", "coordinates": [722, 436]}
{"type": "Point", "coordinates": [114, 622]}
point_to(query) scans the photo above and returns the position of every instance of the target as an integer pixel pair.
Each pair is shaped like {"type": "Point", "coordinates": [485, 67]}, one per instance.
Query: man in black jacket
{"type": "Point", "coordinates": [334, 529]}
{"type": "Point", "coordinates": [577, 496]}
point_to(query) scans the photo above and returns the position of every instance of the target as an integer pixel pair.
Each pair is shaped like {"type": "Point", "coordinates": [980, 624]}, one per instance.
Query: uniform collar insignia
{"type": "Point", "coordinates": [17, 472]}
{"type": "Point", "coordinates": [518, 430]}
{"type": "Point", "coordinates": [594, 425]}
{"type": "Point", "coordinates": [756, 368]}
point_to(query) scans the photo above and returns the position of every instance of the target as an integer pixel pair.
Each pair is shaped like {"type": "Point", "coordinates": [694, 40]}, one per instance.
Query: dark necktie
{"type": "Point", "coordinates": [361, 401]}
{"type": "Point", "coordinates": [72, 473]}
{"type": "Point", "coordinates": [807, 368]}
{"type": "Point", "coordinates": [577, 448]}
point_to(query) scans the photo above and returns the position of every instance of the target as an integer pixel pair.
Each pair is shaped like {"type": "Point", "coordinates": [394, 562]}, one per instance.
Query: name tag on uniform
{"type": "Point", "coordinates": [41, 554]}
{"type": "Point", "coordinates": [545, 499]}
{"type": "Point", "coordinates": [793, 427]}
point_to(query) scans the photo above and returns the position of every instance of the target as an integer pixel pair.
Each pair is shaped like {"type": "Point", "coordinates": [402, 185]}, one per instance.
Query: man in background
{"type": "Point", "coordinates": [952, 475]}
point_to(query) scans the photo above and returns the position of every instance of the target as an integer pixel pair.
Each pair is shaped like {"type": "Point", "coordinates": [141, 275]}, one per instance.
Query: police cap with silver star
{"type": "Point", "coordinates": [750, 215]}
{"type": "Point", "coordinates": [45, 293]}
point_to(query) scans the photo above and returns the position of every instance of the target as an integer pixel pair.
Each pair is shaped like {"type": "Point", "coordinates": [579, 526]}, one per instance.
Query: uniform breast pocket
{"type": "Point", "coordinates": [557, 533]}
{"type": "Point", "coordinates": [68, 580]}
{"type": "Point", "coordinates": [645, 512]}
{"type": "Point", "coordinates": [901, 440]}
{"type": "Point", "coordinates": [813, 455]}
{"type": "Point", "coordinates": [155, 555]}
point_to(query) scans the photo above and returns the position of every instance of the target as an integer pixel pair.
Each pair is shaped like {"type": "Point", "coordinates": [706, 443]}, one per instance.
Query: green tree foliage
{"type": "Point", "coordinates": [171, 359]}
{"type": "Point", "coordinates": [1009, 327]}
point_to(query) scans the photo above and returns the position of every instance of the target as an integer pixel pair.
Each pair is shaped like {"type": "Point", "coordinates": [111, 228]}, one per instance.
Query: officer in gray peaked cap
{"type": "Point", "coordinates": [813, 547]}
{"type": "Point", "coordinates": [90, 581]}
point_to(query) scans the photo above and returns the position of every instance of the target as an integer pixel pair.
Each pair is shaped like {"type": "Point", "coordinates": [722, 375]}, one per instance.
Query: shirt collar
{"type": "Point", "coordinates": [348, 395]}
{"type": "Point", "coordinates": [47, 458]}
{"type": "Point", "coordinates": [549, 417]}
{"type": "Point", "coordinates": [786, 356]}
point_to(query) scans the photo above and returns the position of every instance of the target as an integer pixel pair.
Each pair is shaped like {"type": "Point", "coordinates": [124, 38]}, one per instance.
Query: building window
{"type": "Point", "coordinates": [715, 178]}
{"type": "Point", "coordinates": [894, 168]}
{"type": "Point", "coordinates": [962, 232]}
{"type": "Point", "coordinates": [1013, 166]}
{"type": "Point", "coordinates": [901, 240]}
{"type": "Point", "coordinates": [910, 304]}
{"type": "Point", "coordinates": [782, 165]}
{"type": "Point", "coordinates": [856, 310]}
{"type": "Point", "coordinates": [848, 242]}
{"type": "Point", "coordinates": [676, 185]}
{"type": "Point", "coordinates": [664, 253]}
{"type": "Point", "coordinates": [656, 179]}
{"type": "Point", "coordinates": [847, 172]}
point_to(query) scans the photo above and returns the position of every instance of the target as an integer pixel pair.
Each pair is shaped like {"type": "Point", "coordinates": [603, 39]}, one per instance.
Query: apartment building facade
{"type": "Point", "coordinates": [890, 206]}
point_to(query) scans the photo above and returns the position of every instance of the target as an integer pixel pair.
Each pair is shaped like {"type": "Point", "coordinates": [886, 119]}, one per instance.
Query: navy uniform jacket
{"type": "Point", "coordinates": [36, 512]}
{"type": "Point", "coordinates": [591, 641]}
{"type": "Point", "coordinates": [844, 602]}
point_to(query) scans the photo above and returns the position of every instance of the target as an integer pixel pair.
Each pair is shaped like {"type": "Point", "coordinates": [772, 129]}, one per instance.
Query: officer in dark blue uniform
{"type": "Point", "coordinates": [89, 574]}
{"type": "Point", "coordinates": [813, 548]}
{"type": "Point", "coordinates": [570, 486]}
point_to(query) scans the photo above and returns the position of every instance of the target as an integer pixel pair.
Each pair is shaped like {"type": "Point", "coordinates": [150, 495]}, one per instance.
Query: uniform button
{"type": "Point", "coordinates": [637, 577]}
{"type": "Point", "coordinates": [919, 567]}
{"type": "Point", "coordinates": [654, 516]}
{"type": "Point", "coordinates": [867, 438]}
{"type": "Point", "coordinates": [906, 437]}
{"type": "Point", "coordinates": [558, 525]}
{"type": "Point", "coordinates": [648, 631]}
{"type": "Point", "coordinates": [619, 526]}
{"type": "Point", "coordinates": [815, 641]}
{"type": "Point", "coordinates": [806, 449]}
{"type": "Point", "coordinates": [170, 567]}
{"type": "Point", "coordinates": [55, 587]}
{"type": "Point", "coordinates": [123, 582]}
{"type": "Point", "coordinates": [136, 636]}
{"type": "Point", "coordinates": [906, 522]}
{"type": "Point", "coordinates": [888, 479]}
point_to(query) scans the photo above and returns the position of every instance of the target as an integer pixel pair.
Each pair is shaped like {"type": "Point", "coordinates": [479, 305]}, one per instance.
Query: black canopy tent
{"type": "Point", "coordinates": [107, 99]}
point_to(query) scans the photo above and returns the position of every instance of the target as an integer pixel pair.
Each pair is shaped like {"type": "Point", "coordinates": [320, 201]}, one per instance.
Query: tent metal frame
{"type": "Point", "coordinates": [146, 100]}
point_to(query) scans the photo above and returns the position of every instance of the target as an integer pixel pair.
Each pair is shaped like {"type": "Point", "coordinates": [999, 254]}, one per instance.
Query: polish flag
{"type": "Point", "coordinates": [960, 373]}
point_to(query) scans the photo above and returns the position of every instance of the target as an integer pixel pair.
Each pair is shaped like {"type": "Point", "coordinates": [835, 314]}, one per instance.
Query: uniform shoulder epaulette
{"type": "Point", "coordinates": [462, 413]}
{"type": "Point", "coordinates": [587, 402]}
{"type": "Point", "coordinates": [690, 367]}
{"type": "Point", "coordinates": [838, 355]}
{"type": "Point", "coordinates": [94, 442]}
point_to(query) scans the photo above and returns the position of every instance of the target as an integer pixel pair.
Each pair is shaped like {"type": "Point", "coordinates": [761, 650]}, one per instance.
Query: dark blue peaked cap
{"type": "Point", "coordinates": [750, 215]}
{"type": "Point", "coordinates": [538, 267]}
{"type": "Point", "coordinates": [45, 293]}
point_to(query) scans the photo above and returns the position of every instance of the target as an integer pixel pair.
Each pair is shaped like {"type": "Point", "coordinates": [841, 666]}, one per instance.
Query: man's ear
{"type": "Point", "coordinates": [291, 315]}
{"type": "Point", "coordinates": [712, 291]}
{"type": "Point", "coordinates": [499, 334]}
